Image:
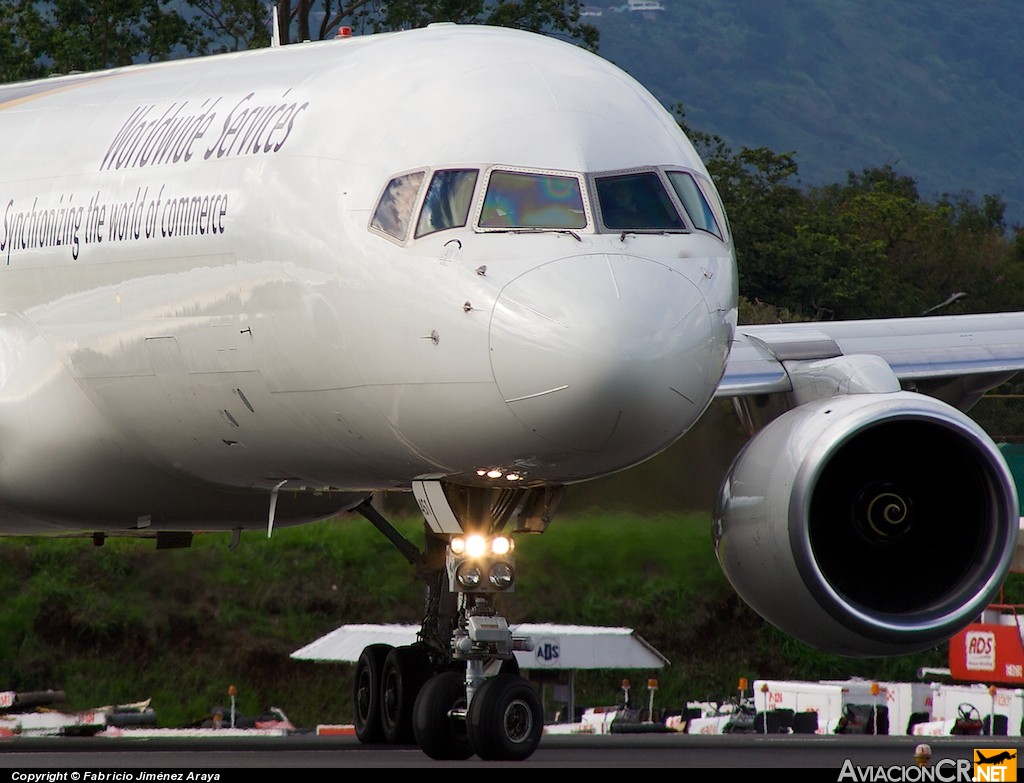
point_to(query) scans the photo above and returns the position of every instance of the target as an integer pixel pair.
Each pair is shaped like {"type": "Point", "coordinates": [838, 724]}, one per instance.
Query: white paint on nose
{"type": "Point", "coordinates": [604, 352]}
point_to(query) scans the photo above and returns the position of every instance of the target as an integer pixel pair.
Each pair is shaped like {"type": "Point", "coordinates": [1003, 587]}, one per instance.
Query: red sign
{"type": "Point", "coordinates": [987, 653]}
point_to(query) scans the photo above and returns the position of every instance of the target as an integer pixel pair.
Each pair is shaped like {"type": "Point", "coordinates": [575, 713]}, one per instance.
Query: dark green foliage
{"type": "Point", "coordinates": [21, 24]}
{"type": "Point", "coordinates": [869, 248]}
{"type": "Point", "coordinates": [61, 36]}
{"type": "Point", "coordinates": [232, 25]}
{"type": "Point", "coordinates": [124, 622]}
{"type": "Point", "coordinates": [244, 23]}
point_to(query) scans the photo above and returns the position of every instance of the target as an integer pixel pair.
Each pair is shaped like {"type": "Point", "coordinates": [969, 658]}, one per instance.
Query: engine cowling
{"type": "Point", "coordinates": [868, 524]}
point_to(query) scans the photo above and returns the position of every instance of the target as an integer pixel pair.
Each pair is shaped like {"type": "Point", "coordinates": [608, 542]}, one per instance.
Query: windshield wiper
{"type": "Point", "coordinates": [536, 230]}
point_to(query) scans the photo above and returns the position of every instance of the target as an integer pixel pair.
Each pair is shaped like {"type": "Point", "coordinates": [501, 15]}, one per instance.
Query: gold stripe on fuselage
{"type": "Point", "coordinates": [23, 93]}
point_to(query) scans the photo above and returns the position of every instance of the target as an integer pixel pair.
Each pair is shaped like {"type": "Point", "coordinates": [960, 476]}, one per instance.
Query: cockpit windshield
{"type": "Point", "coordinates": [653, 200]}
{"type": "Point", "coordinates": [694, 203]}
{"type": "Point", "coordinates": [517, 199]}
{"type": "Point", "coordinates": [394, 208]}
{"type": "Point", "coordinates": [637, 202]}
{"type": "Point", "coordinates": [447, 202]}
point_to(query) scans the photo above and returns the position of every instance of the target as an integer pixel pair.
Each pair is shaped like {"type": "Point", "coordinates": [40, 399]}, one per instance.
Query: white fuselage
{"type": "Point", "coordinates": [194, 306]}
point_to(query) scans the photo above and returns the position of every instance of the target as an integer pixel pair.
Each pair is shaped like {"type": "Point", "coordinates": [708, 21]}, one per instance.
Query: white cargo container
{"type": "Point", "coordinates": [950, 702]}
{"type": "Point", "coordinates": [828, 700]}
{"type": "Point", "coordinates": [903, 700]}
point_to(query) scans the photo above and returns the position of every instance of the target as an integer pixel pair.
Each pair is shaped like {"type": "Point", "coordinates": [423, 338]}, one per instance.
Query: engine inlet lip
{"type": "Point", "coordinates": [945, 617]}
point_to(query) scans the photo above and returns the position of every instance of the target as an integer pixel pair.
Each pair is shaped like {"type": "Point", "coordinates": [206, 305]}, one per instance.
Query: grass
{"type": "Point", "coordinates": [124, 622]}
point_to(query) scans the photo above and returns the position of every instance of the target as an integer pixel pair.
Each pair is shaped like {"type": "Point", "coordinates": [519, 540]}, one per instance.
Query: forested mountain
{"type": "Point", "coordinates": [932, 87]}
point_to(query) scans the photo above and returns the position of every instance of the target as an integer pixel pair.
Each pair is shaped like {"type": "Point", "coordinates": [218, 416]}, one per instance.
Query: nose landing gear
{"type": "Point", "coordinates": [457, 691]}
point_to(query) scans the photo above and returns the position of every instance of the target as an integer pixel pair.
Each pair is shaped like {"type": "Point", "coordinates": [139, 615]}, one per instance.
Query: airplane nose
{"type": "Point", "coordinates": [608, 353]}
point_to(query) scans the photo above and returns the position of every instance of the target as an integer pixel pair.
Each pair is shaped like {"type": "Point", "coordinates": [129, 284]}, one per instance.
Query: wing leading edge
{"type": "Point", "coordinates": [937, 350]}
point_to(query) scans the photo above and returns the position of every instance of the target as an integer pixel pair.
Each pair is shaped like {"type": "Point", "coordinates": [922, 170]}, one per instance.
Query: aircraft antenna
{"type": "Point", "coordinates": [273, 507]}
{"type": "Point", "coordinates": [275, 30]}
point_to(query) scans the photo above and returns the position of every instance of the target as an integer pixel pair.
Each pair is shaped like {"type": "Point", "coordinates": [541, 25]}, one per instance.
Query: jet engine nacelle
{"type": "Point", "coordinates": [868, 524]}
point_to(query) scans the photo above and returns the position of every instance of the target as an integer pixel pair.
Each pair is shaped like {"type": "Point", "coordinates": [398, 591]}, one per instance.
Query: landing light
{"type": "Point", "coordinates": [497, 473]}
{"type": "Point", "coordinates": [501, 545]}
{"type": "Point", "coordinates": [475, 546]}
{"type": "Point", "coordinates": [476, 563]}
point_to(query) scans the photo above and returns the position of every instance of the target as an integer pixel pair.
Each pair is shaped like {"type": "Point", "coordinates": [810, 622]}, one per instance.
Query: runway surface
{"type": "Point", "coordinates": [567, 751]}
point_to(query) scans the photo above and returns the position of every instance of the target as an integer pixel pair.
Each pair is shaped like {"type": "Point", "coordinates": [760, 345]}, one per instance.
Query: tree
{"type": "Point", "coordinates": [59, 36]}
{"type": "Point", "coordinates": [868, 248]}
{"type": "Point", "coordinates": [74, 35]}
{"type": "Point", "coordinates": [244, 24]}
{"type": "Point", "coordinates": [22, 25]}
{"type": "Point", "coordinates": [907, 254]}
{"type": "Point", "coordinates": [764, 209]}
{"type": "Point", "coordinates": [233, 25]}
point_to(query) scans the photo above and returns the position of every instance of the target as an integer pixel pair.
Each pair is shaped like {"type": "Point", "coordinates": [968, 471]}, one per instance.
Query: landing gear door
{"type": "Point", "coordinates": [435, 508]}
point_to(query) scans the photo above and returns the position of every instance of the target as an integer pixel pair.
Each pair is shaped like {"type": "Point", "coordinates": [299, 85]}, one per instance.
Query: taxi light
{"type": "Point", "coordinates": [501, 545]}
{"type": "Point", "coordinates": [458, 545]}
{"type": "Point", "coordinates": [469, 575]}
{"type": "Point", "coordinates": [501, 576]}
{"type": "Point", "coordinates": [494, 474]}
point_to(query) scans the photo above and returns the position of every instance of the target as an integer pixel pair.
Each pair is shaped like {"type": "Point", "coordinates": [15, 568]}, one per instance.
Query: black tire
{"type": "Point", "coordinates": [506, 719]}
{"type": "Point", "coordinates": [366, 693]}
{"type": "Point", "coordinates": [509, 666]}
{"type": "Point", "coordinates": [406, 670]}
{"type": "Point", "coordinates": [439, 735]}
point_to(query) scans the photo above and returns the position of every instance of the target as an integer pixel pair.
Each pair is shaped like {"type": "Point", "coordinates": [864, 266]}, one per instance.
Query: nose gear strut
{"type": "Point", "coordinates": [457, 690]}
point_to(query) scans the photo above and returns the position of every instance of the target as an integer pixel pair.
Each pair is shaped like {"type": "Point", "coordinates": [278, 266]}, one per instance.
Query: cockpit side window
{"type": "Point", "coordinates": [393, 214]}
{"type": "Point", "coordinates": [448, 200]}
{"type": "Point", "coordinates": [637, 202]}
{"type": "Point", "coordinates": [694, 202]}
{"type": "Point", "coordinates": [525, 200]}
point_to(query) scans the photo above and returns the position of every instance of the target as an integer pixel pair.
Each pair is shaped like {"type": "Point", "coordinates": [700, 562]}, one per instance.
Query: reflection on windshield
{"type": "Point", "coordinates": [447, 202]}
{"type": "Point", "coordinates": [694, 203]}
{"type": "Point", "coordinates": [653, 200]}
{"type": "Point", "coordinates": [394, 210]}
{"type": "Point", "coordinates": [637, 202]}
{"type": "Point", "coordinates": [518, 200]}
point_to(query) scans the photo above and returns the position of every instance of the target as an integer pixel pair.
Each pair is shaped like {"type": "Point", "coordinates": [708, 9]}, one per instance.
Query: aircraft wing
{"type": "Point", "coordinates": [975, 352]}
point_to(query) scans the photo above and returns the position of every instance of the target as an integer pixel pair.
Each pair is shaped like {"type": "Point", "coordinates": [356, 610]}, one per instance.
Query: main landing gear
{"type": "Point", "coordinates": [457, 691]}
